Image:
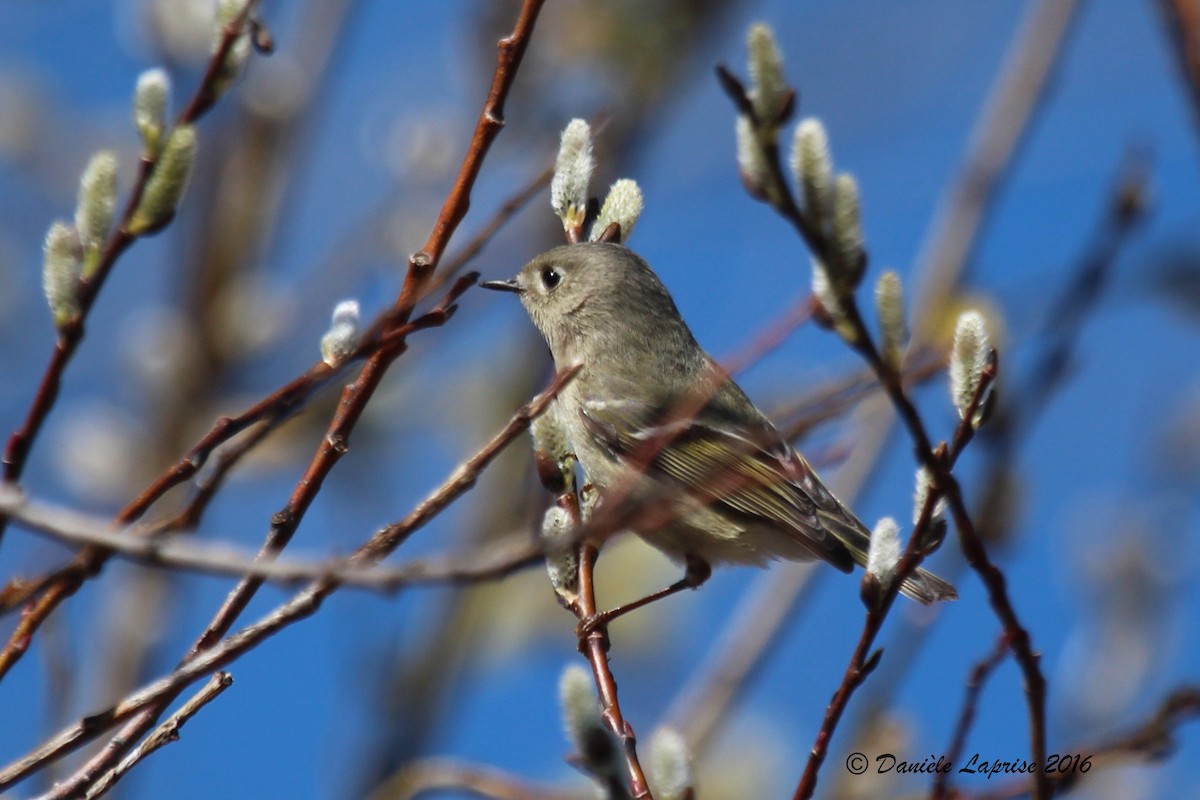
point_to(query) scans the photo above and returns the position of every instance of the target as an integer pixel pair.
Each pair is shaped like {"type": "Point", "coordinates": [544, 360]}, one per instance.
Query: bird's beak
{"type": "Point", "coordinates": [509, 285]}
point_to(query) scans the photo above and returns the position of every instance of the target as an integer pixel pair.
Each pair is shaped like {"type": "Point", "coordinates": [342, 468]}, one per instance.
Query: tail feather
{"type": "Point", "coordinates": [922, 585]}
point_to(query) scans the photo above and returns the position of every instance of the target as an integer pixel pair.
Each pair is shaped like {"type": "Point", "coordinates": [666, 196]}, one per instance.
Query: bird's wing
{"type": "Point", "coordinates": [750, 472]}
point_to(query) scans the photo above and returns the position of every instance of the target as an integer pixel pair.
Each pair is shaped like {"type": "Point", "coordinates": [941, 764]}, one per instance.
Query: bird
{"type": "Point", "coordinates": [652, 416]}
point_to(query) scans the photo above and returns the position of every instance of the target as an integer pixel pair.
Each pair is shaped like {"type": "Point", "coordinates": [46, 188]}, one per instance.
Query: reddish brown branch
{"type": "Point", "coordinates": [16, 452]}
{"type": "Point", "coordinates": [148, 702]}
{"type": "Point", "coordinates": [863, 661]}
{"type": "Point", "coordinates": [355, 396]}
{"type": "Point", "coordinates": [975, 682]}
{"type": "Point", "coordinates": [269, 412]}
{"type": "Point", "coordinates": [943, 481]}
{"type": "Point", "coordinates": [1152, 740]}
{"type": "Point", "coordinates": [594, 646]}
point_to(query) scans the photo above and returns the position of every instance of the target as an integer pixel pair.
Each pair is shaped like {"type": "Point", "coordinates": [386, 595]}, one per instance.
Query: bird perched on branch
{"type": "Point", "coordinates": [651, 415]}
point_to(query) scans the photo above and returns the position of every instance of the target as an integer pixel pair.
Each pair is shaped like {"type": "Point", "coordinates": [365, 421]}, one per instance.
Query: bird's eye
{"type": "Point", "coordinates": [551, 277]}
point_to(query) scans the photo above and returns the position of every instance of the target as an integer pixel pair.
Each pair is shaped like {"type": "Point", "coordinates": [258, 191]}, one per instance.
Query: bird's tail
{"type": "Point", "coordinates": [922, 585]}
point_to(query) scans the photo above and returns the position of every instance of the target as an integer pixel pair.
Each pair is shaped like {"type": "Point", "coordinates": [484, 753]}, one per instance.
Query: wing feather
{"type": "Point", "coordinates": [736, 474]}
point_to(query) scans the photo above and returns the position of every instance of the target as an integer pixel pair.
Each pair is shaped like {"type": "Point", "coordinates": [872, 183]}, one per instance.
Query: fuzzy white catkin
{"type": "Point", "coordinates": [751, 162]}
{"type": "Point", "coordinates": [97, 200]}
{"type": "Point", "coordinates": [623, 205]}
{"type": "Point", "coordinates": [768, 86]}
{"type": "Point", "coordinates": [228, 12]}
{"type": "Point", "coordinates": [812, 167]}
{"type": "Point", "coordinates": [150, 100]}
{"type": "Point", "coordinates": [893, 330]}
{"type": "Point", "coordinates": [968, 357]}
{"type": "Point", "coordinates": [670, 765]}
{"type": "Point", "coordinates": [847, 232]}
{"type": "Point", "coordinates": [167, 183]}
{"type": "Point", "coordinates": [572, 173]}
{"type": "Point", "coordinates": [824, 290]}
{"type": "Point", "coordinates": [60, 272]}
{"type": "Point", "coordinates": [341, 338]}
{"type": "Point", "coordinates": [580, 709]}
{"type": "Point", "coordinates": [562, 563]}
{"type": "Point", "coordinates": [921, 493]}
{"type": "Point", "coordinates": [884, 552]}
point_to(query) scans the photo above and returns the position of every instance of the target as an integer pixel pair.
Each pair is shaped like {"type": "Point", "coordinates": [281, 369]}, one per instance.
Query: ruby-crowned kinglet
{"type": "Point", "coordinates": [740, 492]}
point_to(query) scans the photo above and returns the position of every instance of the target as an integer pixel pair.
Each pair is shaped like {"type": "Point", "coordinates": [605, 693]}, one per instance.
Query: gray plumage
{"type": "Point", "coordinates": [739, 492]}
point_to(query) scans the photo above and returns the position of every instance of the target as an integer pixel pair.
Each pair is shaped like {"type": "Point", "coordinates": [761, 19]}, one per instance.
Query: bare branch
{"type": "Point", "coordinates": [71, 334]}
{"type": "Point", "coordinates": [184, 553]}
{"type": "Point", "coordinates": [302, 605]}
{"type": "Point", "coordinates": [165, 733]}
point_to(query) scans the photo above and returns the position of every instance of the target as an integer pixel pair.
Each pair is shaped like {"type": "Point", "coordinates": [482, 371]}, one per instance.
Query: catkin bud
{"type": "Point", "coordinates": [150, 100]}
{"type": "Point", "coordinates": [935, 532]}
{"type": "Point", "coordinates": [341, 340]}
{"type": "Point", "coordinates": [60, 272]}
{"type": "Point", "coordinates": [572, 174]}
{"type": "Point", "coordinates": [595, 746]}
{"type": "Point", "coordinates": [883, 554]}
{"type": "Point", "coordinates": [562, 559]}
{"type": "Point", "coordinates": [968, 358]}
{"type": "Point", "coordinates": [823, 289]}
{"type": "Point", "coordinates": [552, 452]}
{"type": "Point", "coordinates": [849, 259]}
{"type": "Point", "coordinates": [769, 94]}
{"type": "Point", "coordinates": [833, 296]}
{"type": "Point", "coordinates": [228, 13]}
{"type": "Point", "coordinates": [752, 164]}
{"type": "Point", "coordinates": [95, 206]}
{"type": "Point", "coordinates": [889, 303]}
{"type": "Point", "coordinates": [167, 182]}
{"type": "Point", "coordinates": [812, 167]}
{"type": "Point", "coordinates": [580, 709]}
{"type": "Point", "coordinates": [671, 766]}
{"type": "Point", "coordinates": [622, 206]}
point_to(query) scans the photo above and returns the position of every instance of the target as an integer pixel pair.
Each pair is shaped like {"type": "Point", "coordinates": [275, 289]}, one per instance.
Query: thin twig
{"type": "Point", "coordinates": [832, 400]}
{"type": "Point", "coordinates": [966, 716]}
{"type": "Point", "coordinates": [594, 646]}
{"type": "Point", "coordinates": [1152, 740]}
{"type": "Point", "coordinates": [165, 733]}
{"type": "Point", "coordinates": [183, 553]}
{"type": "Point", "coordinates": [16, 452]}
{"type": "Point", "coordinates": [1020, 405]}
{"type": "Point", "coordinates": [355, 396]}
{"type": "Point", "coordinates": [302, 605]}
{"type": "Point", "coordinates": [864, 660]}
{"type": "Point", "coordinates": [944, 484]}
{"type": "Point", "coordinates": [269, 412]}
